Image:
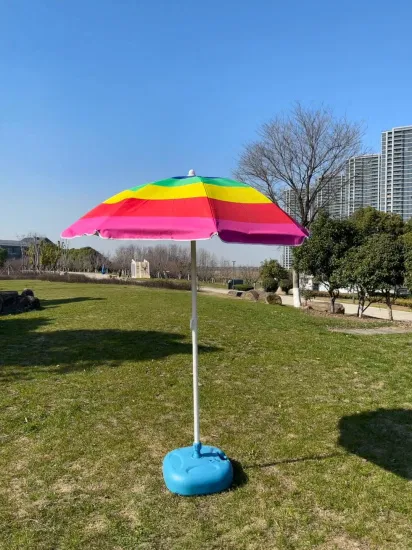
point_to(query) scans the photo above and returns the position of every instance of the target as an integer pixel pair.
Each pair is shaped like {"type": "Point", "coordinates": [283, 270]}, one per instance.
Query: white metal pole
{"type": "Point", "coordinates": [193, 326]}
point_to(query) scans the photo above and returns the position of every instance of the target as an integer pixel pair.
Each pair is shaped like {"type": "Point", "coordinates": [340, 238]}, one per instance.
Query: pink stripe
{"type": "Point", "coordinates": [186, 229]}
{"type": "Point", "coordinates": [125, 227]}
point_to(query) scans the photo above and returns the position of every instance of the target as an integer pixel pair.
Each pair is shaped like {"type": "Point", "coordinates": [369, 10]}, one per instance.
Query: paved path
{"type": "Point", "coordinates": [213, 289]}
{"type": "Point", "coordinates": [372, 331]}
{"type": "Point", "coordinates": [351, 309]}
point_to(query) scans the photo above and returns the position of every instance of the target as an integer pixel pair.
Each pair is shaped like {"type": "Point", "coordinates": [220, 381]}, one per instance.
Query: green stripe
{"type": "Point", "coordinates": [174, 182]}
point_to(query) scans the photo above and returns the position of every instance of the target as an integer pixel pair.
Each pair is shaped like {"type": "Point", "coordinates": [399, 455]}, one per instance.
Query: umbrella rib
{"type": "Point", "coordinates": [212, 211]}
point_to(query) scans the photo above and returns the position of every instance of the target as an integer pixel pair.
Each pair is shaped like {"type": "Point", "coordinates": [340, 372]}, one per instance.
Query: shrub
{"type": "Point", "coordinates": [165, 283]}
{"type": "Point", "coordinates": [405, 302]}
{"type": "Point", "coordinates": [285, 285]}
{"type": "Point", "coordinates": [244, 287]}
{"type": "Point", "coordinates": [270, 285]}
{"type": "Point", "coordinates": [317, 293]}
{"type": "Point", "coordinates": [307, 294]}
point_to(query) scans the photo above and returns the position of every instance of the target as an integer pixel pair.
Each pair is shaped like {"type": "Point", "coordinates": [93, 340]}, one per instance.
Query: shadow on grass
{"type": "Point", "coordinates": [383, 437]}
{"type": "Point", "coordinates": [240, 477]}
{"type": "Point", "coordinates": [27, 351]}
{"type": "Point", "coordinates": [308, 458]}
{"type": "Point", "coordinates": [58, 302]}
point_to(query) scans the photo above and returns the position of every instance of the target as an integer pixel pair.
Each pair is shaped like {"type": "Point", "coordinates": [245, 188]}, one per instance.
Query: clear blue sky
{"type": "Point", "coordinates": [100, 95]}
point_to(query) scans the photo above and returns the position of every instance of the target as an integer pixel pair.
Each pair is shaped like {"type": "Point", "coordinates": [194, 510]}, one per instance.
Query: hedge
{"type": "Point", "coordinates": [173, 284]}
{"type": "Point", "coordinates": [244, 287]}
{"type": "Point", "coordinates": [405, 302]}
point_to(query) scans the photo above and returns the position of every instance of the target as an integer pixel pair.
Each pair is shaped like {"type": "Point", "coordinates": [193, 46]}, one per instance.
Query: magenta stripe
{"type": "Point", "coordinates": [186, 229]}
{"type": "Point", "coordinates": [125, 227]}
{"type": "Point", "coordinates": [286, 234]}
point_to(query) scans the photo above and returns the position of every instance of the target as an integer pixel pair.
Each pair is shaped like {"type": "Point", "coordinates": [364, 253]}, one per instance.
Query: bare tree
{"type": "Point", "coordinates": [301, 152]}
{"type": "Point", "coordinates": [226, 270]}
{"type": "Point", "coordinates": [249, 273]}
{"type": "Point", "coordinates": [123, 257]}
{"type": "Point", "coordinates": [33, 252]}
{"type": "Point", "coordinates": [206, 265]}
{"type": "Point", "coordinates": [64, 259]}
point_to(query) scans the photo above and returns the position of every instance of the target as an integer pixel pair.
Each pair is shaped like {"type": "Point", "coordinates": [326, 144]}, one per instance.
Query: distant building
{"type": "Point", "coordinates": [290, 205]}
{"type": "Point", "coordinates": [286, 257]}
{"type": "Point", "coordinates": [383, 181]}
{"type": "Point", "coordinates": [362, 183]}
{"type": "Point", "coordinates": [396, 172]}
{"type": "Point", "coordinates": [140, 270]}
{"type": "Point", "coordinates": [333, 197]}
{"type": "Point", "coordinates": [14, 248]}
{"type": "Point", "coordinates": [357, 188]}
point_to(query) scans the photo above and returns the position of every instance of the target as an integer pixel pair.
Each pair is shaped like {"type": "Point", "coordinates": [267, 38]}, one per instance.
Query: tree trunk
{"type": "Point", "coordinates": [332, 304]}
{"type": "Point", "coordinates": [361, 304]}
{"type": "Point", "coordinates": [389, 306]}
{"type": "Point", "coordinates": [296, 290]}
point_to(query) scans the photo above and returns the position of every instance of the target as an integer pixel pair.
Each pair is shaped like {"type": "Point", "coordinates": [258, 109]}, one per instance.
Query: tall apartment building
{"type": "Point", "coordinates": [396, 172]}
{"type": "Point", "coordinates": [358, 187]}
{"type": "Point", "coordinates": [383, 181]}
{"type": "Point", "coordinates": [286, 257]}
{"type": "Point", "coordinates": [291, 207]}
{"type": "Point", "coordinates": [333, 197]}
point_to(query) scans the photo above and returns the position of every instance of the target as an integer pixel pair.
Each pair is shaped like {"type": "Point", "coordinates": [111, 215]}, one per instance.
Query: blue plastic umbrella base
{"type": "Point", "coordinates": [197, 470]}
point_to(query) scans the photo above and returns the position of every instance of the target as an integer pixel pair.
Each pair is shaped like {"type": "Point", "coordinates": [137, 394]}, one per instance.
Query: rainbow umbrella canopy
{"type": "Point", "coordinates": [192, 208]}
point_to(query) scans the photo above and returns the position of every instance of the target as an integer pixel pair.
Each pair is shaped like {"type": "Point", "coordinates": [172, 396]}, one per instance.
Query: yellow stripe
{"type": "Point", "coordinates": [227, 194]}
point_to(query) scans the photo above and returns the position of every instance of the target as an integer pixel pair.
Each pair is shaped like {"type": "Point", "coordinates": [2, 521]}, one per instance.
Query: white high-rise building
{"type": "Point", "coordinates": [362, 183]}
{"type": "Point", "coordinates": [396, 172]}
{"type": "Point", "coordinates": [333, 197]}
{"type": "Point", "coordinates": [286, 257]}
{"type": "Point", "coordinates": [290, 206]}
{"type": "Point", "coordinates": [383, 181]}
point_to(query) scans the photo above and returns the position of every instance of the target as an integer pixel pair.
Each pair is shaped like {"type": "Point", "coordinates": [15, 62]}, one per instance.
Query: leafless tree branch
{"type": "Point", "coordinates": [302, 151]}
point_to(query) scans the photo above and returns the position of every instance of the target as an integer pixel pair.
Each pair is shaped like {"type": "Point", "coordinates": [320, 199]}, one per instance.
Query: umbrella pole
{"type": "Point", "coordinates": [193, 327]}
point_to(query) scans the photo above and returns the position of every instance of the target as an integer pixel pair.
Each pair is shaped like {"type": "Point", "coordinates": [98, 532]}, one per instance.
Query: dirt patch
{"type": "Point", "coordinates": [63, 486]}
{"type": "Point", "coordinates": [352, 317]}
{"type": "Point", "coordinates": [97, 524]}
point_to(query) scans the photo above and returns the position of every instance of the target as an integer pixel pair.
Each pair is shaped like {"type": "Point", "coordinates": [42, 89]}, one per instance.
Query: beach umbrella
{"type": "Point", "coordinates": [192, 208]}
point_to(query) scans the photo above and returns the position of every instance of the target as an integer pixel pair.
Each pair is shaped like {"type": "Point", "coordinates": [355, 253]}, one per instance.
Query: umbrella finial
{"type": "Point", "coordinates": [191, 173]}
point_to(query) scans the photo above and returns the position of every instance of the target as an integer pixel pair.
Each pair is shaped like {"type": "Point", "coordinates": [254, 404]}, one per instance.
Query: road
{"type": "Point", "coordinates": [350, 309]}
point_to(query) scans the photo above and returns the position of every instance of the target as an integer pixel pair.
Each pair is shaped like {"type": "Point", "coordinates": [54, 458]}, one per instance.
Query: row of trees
{"type": "Point", "coordinates": [40, 254]}
{"type": "Point", "coordinates": [171, 261]}
{"type": "Point", "coordinates": [370, 253]}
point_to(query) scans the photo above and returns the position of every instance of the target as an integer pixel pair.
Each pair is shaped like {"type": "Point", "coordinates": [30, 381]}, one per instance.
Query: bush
{"type": "Point", "coordinates": [405, 302]}
{"type": "Point", "coordinates": [244, 287]}
{"type": "Point", "coordinates": [317, 293]}
{"type": "Point", "coordinates": [307, 294]}
{"type": "Point", "coordinates": [270, 285]}
{"type": "Point", "coordinates": [285, 285]}
{"type": "Point", "coordinates": [173, 284]}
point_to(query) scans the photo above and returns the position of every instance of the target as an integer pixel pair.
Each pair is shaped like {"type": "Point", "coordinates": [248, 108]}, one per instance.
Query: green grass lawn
{"type": "Point", "coordinates": [96, 389]}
